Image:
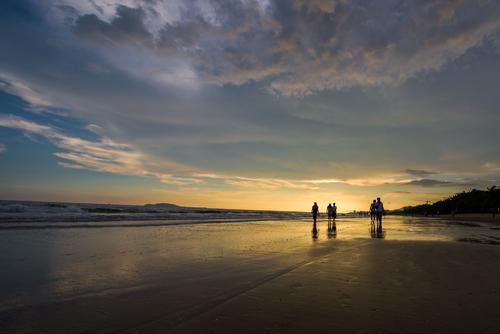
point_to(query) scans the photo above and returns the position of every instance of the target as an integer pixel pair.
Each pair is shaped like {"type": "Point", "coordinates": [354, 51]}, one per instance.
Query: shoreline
{"type": "Point", "coordinates": [6, 226]}
{"type": "Point", "coordinates": [468, 219]}
{"type": "Point", "coordinates": [121, 223]}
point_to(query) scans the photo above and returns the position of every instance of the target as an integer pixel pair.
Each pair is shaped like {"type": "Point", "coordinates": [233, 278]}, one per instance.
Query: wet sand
{"type": "Point", "coordinates": [249, 279]}
{"type": "Point", "coordinates": [370, 287]}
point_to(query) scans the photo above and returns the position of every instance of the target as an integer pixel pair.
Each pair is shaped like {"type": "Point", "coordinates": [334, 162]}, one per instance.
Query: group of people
{"type": "Point", "coordinates": [377, 211]}
{"type": "Point", "coordinates": [331, 211]}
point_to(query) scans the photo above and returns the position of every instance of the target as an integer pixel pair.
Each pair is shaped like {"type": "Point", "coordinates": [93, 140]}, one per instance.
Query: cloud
{"type": "Point", "coordinates": [266, 183]}
{"type": "Point", "coordinates": [106, 155]}
{"type": "Point", "coordinates": [318, 6]}
{"type": "Point", "coordinates": [436, 183]}
{"type": "Point", "coordinates": [15, 86]}
{"type": "Point", "coordinates": [2, 148]}
{"type": "Point", "coordinates": [491, 166]}
{"type": "Point", "coordinates": [178, 180]}
{"type": "Point", "coordinates": [375, 181]}
{"type": "Point", "coordinates": [103, 155]}
{"type": "Point", "coordinates": [418, 172]}
{"type": "Point", "coordinates": [127, 27]}
{"type": "Point", "coordinates": [312, 184]}
{"type": "Point", "coordinates": [297, 47]}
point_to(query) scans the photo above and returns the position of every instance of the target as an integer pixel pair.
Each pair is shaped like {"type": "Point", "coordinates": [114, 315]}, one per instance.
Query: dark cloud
{"type": "Point", "coordinates": [436, 183]}
{"type": "Point", "coordinates": [305, 46]}
{"type": "Point", "coordinates": [428, 183]}
{"type": "Point", "coordinates": [127, 27]}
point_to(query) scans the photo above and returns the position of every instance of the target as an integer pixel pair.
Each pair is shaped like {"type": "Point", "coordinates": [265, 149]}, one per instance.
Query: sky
{"type": "Point", "coordinates": [250, 104]}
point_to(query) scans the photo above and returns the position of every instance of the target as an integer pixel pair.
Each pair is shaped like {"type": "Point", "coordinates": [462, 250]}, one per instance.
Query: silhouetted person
{"type": "Point", "coordinates": [334, 216]}
{"type": "Point", "coordinates": [329, 213]}
{"type": "Point", "coordinates": [379, 207]}
{"type": "Point", "coordinates": [315, 212]}
{"type": "Point", "coordinates": [372, 210]}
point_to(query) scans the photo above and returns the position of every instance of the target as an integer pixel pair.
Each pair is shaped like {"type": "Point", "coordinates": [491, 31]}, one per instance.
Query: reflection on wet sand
{"type": "Point", "coordinates": [315, 230]}
{"type": "Point", "coordinates": [193, 265]}
{"type": "Point", "coordinates": [369, 287]}
{"type": "Point", "coordinates": [376, 230]}
{"type": "Point", "coordinates": [332, 229]}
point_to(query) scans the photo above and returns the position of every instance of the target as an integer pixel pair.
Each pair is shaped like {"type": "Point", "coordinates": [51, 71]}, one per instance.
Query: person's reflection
{"type": "Point", "coordinates": [332, 229]}
{"type": "Point", "coordinates": [315, 230]}
{"type": "Point", "coordinates": [376, 230]}
{"type": "Point", "coordinates": [315, 212]}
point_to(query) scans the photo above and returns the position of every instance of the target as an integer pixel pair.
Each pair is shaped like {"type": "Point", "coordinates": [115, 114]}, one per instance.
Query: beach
{"type": "Point", "coordinates": [425, 275]}
{"type": "Point", "coordinates": [213, 166]}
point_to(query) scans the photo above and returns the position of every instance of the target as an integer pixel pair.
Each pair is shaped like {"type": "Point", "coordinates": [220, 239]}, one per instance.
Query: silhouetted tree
{"type": "Point", "coordinates": [473, 201]}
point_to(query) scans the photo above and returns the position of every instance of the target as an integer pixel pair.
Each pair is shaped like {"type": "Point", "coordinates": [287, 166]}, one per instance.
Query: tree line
{"type": "Point", "coordinates": [473, 201]}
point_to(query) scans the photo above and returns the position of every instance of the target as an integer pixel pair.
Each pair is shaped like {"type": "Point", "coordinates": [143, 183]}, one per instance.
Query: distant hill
{"type": "Point", "coordinates": [162, 206]}
{"type": "Point", "coordinates": [474, 201]}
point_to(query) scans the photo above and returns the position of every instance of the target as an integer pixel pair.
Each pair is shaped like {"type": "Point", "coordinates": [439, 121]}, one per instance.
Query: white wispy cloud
{"type": "Point", "coordinates": [103, 155]}
{"type": "Point", "coordinates": [266, 183]}
{"type": "Point", "coordinates": [15, 86]}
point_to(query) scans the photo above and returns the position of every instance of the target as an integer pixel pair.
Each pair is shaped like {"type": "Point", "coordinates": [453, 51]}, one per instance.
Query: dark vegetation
{"type": "Point", "coordinates": [473, 201]}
